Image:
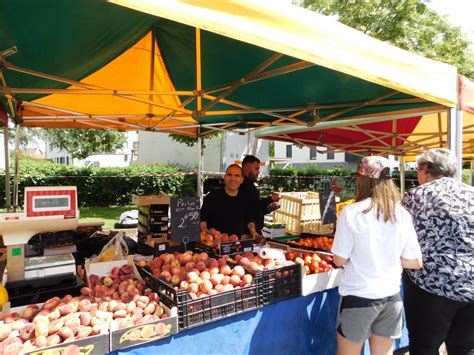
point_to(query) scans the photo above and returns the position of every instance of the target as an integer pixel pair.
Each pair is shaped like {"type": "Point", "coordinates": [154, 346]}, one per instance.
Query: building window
{"type": "Point", "coordinates": [61, 160]}
{"type": "Point", "coordinates": [330, 156]}
{"type": "Point", "coordinates": [125, 158]}
{"type": "Point", "coordinates": [312, 153]}
{"type": "Point", "coordinates": [67, 160]}
{"type": "Point", "coordinates": [289, 151]}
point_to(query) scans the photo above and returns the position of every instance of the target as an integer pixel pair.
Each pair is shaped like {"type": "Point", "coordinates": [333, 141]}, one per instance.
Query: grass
{"type": "Point", "coordinates": [109, 215]}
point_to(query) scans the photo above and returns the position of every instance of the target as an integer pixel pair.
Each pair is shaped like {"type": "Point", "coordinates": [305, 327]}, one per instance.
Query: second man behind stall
{"type": "Point", "coordinates": [227, 209]}
{"type": "Point", "coordinates": [261, 206]}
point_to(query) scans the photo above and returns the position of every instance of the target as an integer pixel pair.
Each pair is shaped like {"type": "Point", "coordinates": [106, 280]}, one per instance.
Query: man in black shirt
{"type": "Point", "coordinates": [261, 206]}
{"type": "Point", "coordinates": [226, 209]}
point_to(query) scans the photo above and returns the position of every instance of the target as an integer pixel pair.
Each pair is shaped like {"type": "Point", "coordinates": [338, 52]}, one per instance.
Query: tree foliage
{"type": "Point", "coordinates": [81, 143]}
{"type": "Point", "coordinates": [408, 24]}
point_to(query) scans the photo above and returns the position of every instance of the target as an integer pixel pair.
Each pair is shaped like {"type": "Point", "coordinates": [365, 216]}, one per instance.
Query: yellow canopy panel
{"type": "Point", "coordinates": [431, 132]}
{"type": "Point", "coordinates": [149, 101]}
{"type": "Point", "coordinates": [291, 30]}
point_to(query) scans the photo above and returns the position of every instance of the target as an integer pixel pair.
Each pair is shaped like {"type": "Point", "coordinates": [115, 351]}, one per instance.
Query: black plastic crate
{"type": "Point", "coordinates": [292, 242]}
{"type": "Point", "coordinates": [227, 248]}
{"type": "Point", "coordinates": [192, 313]}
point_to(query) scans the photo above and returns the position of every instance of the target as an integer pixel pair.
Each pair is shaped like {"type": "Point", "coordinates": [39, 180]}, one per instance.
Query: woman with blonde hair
{"type": "Point", "coordinates": [374, 240]}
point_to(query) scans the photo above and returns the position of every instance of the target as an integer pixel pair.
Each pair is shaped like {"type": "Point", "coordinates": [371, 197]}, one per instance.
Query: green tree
{"type": "Point", "coordinates": [408, 24]}
{"type": "Point", "coordinates": [81, 143]}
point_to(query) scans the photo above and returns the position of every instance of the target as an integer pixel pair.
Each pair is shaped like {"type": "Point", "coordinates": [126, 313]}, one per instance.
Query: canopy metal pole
{"type": "Point", "coordinates": [200, 166]}
{"type": "Point", "coordinates": [8, 204]}
{"type": "Point", "coordinates": [402, 175]}
{"type": "Point", "coordinates": [455, 138]}
{"type": "Point", "coordinates": [17, 162]}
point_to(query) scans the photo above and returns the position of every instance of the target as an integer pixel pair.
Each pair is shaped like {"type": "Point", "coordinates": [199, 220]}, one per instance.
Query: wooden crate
{"type": "Point", "coordinates": [300, 213]}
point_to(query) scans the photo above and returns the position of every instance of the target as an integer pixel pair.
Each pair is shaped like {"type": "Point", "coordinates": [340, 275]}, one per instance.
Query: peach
{"type": "Point", "coordinates": [28, 331]}
{"type": "Point", "coordinates": [5, 330]}
{"type": "Point", "coordinates": [108, 281]}
{"type": "Point", "coordinates": [205, 275]}
{"type": "Point", "coordinates": [18, 324]}
{"type": "Point", "coordinates": [111, 305]}
{"type": "Point", "coordinates": [193, 288]}
{"type": "Point", "coordinates": [120, 314]}
{"type": "Point", "coordinates": [225, 269]}
{"type": "Point", "coordinates": [235, 280]}
{"type": "Point", "coordinates": [233, 238]}
{"type": "Point", "coordinates": [150, 309]}
{"type": "Point", "coordinates": [239, 271]}
{"type": "Point", "coordinates": [83, 332]}
{"type": "Point", "coordinates": [253, 266]}
{"type": "Point", "coordinates": [216, 279]}
{"type": "Point", "coordinates": [40, 341]}
{"type": "Point", "coordinates": [13, 349]}
{"type": "Point", "coordinates": [201, 266]}
{"type": "Point", "coordinates": [244, 261]}
{"type": "Point", "coordinates": [66, 299]}
{"type": "Point", "coordinates": [85, 305]}
{"type": "Point", "coordinates": [222, 262]}
{"type": "Point", "coordinates": [228, 287]}
{"type": "Point", "coordinates": [42, 328]}
{"type": "Point", "coordinates": [85, 318]}
{"type": "Point", "coordinates": [224, 238]}
{"type": "Point", "coordinates": [225, 280]}
{"type": "Point", "coordinates": [189, 266]}
{"type": "Point", "coordinates": [206, 286]}
{"type": "Point", "coordinates": [131, 306]}
{"type": "Point", "coordinates": [246, 280]}
{"type": "Point", "coordinates": [65, 333]}
{"type": "Point", "coordinates": [192, 277]}
{"type": "Point", "coordinates": [127, 269]}
{"type": "Point", "coordinates": [175, 279]}
{"type": "Point", "coordinates": [73, 324]}
{"type": "Point", "coordinates": [213, 270]}
{"type": "Point", "coordinates": [183, 285]}
{"type": "Point", "coordinates": [165, 275]}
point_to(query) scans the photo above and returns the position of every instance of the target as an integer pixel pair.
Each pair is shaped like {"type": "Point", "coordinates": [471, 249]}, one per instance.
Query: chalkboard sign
{"type": "Point", "coordinates": [327, 205]}
{"type": "Point", "coordinates": [185, 219]}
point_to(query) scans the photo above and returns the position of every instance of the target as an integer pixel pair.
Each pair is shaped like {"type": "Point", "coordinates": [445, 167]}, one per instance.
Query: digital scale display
{"type": "Point", "coordinates": [48, 203]}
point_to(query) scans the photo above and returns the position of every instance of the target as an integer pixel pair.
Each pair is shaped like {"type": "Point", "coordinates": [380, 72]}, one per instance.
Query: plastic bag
{"type": "Point", "coordinates": [115, 249]}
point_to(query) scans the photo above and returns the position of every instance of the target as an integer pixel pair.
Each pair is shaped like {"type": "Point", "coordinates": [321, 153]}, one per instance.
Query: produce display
{"type": "Point", "coordinates": [311, 262]}
{"type": "Point", "coordinates": [213, 237]}
{"type": "Point", "coordinates": [111, 302]}
{"type": "Point", "coordinates": [198, 273]}
{"type": "Point", "coordinates": [256, 263]}
{"type": "Point", "coordinates": [324, 243]}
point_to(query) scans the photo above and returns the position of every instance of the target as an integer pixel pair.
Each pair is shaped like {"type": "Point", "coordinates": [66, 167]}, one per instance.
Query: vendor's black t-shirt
{"type": "Point", "coordinates": [228, 214]}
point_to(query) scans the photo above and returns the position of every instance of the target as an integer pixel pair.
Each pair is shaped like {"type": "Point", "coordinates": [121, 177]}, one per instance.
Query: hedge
{"type": "Point", "coordinates": [106, 186]}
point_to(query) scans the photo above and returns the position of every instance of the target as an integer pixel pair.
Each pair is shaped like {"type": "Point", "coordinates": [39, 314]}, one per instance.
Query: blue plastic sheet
{"type": "Point", "coordinates": [301, 325]}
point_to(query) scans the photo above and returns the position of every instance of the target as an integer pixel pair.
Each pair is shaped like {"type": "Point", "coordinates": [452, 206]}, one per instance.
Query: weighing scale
{"type": "Point", "coordinates": [46, 209]}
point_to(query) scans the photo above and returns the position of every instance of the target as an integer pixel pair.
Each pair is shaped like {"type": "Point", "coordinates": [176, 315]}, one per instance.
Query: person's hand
{"type": "Point", "coordinates": [273, 206]}
{"type": "Point", "coordinates": [275, 196]}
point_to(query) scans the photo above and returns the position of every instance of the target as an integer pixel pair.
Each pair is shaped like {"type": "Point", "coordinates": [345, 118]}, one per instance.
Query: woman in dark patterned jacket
{"type": "Point", "coordinates": [439, 298]}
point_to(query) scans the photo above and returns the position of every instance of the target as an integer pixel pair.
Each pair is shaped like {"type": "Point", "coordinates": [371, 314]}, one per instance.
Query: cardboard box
{"type": "Point", "coordinates": [94, 345]}
{"type": "Point", "coordinates": [320, 282]}
{"type": "Point", "coordinates": [151, 200]}
{"type": "Point", "coordinates": [145, 333]}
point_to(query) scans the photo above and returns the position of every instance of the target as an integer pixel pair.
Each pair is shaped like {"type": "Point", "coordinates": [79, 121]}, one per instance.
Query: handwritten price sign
{"type": "Point", "coordinates": [185, 219]}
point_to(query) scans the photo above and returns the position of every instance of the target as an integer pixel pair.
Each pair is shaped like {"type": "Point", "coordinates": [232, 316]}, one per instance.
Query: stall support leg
{"type": "Point", "coordinates": [17, 162]}
{"type": "Point", "coordinates": [8, 204]}
{"type": "Point", "coordinates": [200, 167]}
{"type": "Point", "coordinates": [455, 138]}
{"type": "Point", "coordinates": [402, 175]}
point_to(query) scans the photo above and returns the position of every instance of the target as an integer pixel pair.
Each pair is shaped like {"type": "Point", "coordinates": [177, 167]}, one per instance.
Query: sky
{"type": "Point", "coordinates": [459, 12]}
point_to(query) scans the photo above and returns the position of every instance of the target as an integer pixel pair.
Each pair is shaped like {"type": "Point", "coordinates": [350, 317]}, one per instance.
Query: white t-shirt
{"type": "Point", "coordinates": [373, 248]}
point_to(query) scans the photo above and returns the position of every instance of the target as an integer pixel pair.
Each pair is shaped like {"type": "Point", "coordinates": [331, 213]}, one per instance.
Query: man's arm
{"type": "Point", "coordinates": [203, 226]}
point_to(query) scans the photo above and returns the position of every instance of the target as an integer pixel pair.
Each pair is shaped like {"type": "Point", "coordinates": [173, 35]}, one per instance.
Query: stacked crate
{"type": "Point", "coordinates": [300, 213]}
{"type": "Point", "coordinates": [153, 218]}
